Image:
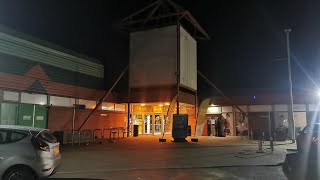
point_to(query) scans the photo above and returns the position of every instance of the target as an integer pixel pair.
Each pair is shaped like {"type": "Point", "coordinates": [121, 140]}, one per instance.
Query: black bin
{"type": "Point", "coordinates": [135, 130]}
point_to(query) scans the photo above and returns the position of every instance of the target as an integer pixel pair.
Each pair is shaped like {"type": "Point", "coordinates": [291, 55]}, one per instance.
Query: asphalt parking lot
{"type": "Point", "coordinates": [144, 157]}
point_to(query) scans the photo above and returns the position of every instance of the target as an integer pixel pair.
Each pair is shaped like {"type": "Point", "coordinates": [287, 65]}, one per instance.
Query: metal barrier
{"type": "Point", "coordinates": [83, 136]}
{"type": "Point", "coordinates": [87, 136]}
{"type": "Point", "coordinates": [251, 136]}
{"type": "Point", "coordinates": [74, 137]}
{"type": "Point", "coordinates": [260, 150]}
{"type": "Point", "coordinates": [112, 129]}
{"type": "Point", "coordinates": [94, 134]}
{"type": "Point", "coordinates": [103, 132]}
{"type": "Point", "coordinates": [271, 144]}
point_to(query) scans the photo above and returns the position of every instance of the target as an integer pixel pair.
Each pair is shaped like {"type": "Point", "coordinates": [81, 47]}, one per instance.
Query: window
{"type": "Point", "coordinates": [120, 107]}
{"type": "Point", "coordinates": [47, 136]}
{"type": "Point", "coordinates": [107, 106]}
{"type": "Point", "coordinates": [89, 104]}
{"type": "Point", "coordinates": [307, 130]}
{"type": "Point", "coordinates": [11, 96]}
{"type": "Point", "coordinates": [62, 101]}
{"type": "Point", "coordinates": [33, 98]}
{"type": "Point", "coordinates": [9, 136]}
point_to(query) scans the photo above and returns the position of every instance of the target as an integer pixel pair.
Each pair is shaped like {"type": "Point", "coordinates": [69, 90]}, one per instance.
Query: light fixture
{"type": "Point", "coordinates": [160, 105]}
{"type": "Point", "coordinates": [167, 104]}
{"type": "Point", "coordinates": [42, 103]}
{"type": "Point", "coordinates": [212, 104]}
{"type": "Point", "coordinates": [142, 104]}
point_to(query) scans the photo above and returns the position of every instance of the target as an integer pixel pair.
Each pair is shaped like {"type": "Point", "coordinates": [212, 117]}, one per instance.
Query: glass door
{"type": "Point", "coordinates": [157, 124]}
{"type": "Point", "coordinates": [147, 124]}
{"type": "Point", "coordinates": [138, 121]}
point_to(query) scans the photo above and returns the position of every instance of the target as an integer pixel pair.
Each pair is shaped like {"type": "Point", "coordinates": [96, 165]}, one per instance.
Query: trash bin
{"type": "Point", "coordinates": [135, 130]}
{"type": "Point", "coordinates": [59, 136]}
{"type": "Point", "coordinates": [189, 130]}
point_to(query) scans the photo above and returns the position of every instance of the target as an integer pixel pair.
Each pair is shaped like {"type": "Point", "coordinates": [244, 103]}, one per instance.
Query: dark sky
{"type": "Point", "coordinates": [247, 36]}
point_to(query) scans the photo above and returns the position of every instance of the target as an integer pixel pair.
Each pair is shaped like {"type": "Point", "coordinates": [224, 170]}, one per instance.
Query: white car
{"type": "Point", "coordinates": [27, 153]}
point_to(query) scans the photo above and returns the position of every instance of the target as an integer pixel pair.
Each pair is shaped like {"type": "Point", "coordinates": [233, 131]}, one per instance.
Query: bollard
{"type": "Point", "coordinates": [251, 135]}
{"type": "Point", "coordinates": [260, 146]}
{"type": "Point", "coordinates": [271, 144]}
{"type": "Point", "coordinates": [263, 137]}
{"type": "Point", "coordinates": [275, 137]}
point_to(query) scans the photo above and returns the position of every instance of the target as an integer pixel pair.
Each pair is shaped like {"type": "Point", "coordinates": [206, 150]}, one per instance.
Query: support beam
{"type": "Point", "coordinates": [104, 97]}
{"type": "Point", "coordinates": [220, 92]}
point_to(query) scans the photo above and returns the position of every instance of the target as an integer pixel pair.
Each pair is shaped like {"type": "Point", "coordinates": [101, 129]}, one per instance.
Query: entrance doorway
{"type": "Point", "coordinates": [138, 121]}
{"type": "Point", "coordinates": [158, 124]}
{"type": "Point", "coordinates": [148, 124]}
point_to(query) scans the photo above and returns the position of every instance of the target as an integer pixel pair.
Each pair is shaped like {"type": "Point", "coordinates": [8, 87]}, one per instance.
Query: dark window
{"type": "Point", "coordinates": [47, 136]}
{"type": "Point", "coordinates": [9, 136]}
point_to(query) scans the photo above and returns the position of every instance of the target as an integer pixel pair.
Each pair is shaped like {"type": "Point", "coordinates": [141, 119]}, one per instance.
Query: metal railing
{"type": "Point", "coordinates": [75, 135]}
{"type": "Point", "coordinates": [86, 136]}
{"type": "Point", "coordinates": [94, 134]}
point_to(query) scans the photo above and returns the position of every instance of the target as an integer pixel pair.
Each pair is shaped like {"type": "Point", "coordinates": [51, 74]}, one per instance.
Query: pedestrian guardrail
{"type": "Point", "coordinates": [95, 132]}
{"type": "Point", "coordinates": [87, 136]}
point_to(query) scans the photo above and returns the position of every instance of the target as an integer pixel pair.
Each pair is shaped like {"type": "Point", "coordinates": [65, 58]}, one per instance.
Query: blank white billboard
{"type": "Point", "coordinates": [188, 60]}
{"type": "Point", "coordinates": [153, 57]}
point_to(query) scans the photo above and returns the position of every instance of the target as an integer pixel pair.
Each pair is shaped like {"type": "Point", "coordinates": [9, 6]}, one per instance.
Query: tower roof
{"type": "Point", "coordinates": [163, 13]}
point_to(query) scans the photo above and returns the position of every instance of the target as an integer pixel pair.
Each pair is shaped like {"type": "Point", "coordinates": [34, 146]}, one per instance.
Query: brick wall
{"type": "Point", "coordinates": [60, 119]}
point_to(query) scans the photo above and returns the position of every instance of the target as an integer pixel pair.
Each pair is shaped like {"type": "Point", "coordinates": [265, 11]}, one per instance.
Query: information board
{"type": "Point", "coordinates": [180, 126]}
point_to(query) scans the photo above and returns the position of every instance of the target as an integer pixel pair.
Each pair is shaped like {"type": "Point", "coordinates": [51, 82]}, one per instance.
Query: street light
{"type": "Point", "coordinates": [290, 109]}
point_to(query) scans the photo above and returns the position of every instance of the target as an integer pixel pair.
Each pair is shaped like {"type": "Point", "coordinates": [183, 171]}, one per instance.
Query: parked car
{"type": "Point", "coordinates": [297, 166]}
{"type": "Point", "coordinates": [308, 139]}
{"type": "Point", "coordinates": [27, 153]}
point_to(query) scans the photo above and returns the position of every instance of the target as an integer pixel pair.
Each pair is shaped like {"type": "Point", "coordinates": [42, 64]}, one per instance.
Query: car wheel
{"type": "Point", "coordinates": [20, 173]}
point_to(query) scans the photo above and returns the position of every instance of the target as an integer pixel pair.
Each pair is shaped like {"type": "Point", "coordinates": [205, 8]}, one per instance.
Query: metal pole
{"type": "Point", "coordinates": [178, 67]}
{"type": "Point", "coordinates": [290, 114]}
{"type": "Point", "coordinates": [74, 113]}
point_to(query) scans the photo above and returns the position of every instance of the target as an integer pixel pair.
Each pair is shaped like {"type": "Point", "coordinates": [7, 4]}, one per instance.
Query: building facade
{"type": "Point", "coordinates": [265, 114]}
{"type": "Point", "coordinates": [40, 83]}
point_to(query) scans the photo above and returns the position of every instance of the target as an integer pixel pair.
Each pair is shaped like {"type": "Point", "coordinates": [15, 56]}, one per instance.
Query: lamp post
{"type": "Point", "coordinates": [290, 109]}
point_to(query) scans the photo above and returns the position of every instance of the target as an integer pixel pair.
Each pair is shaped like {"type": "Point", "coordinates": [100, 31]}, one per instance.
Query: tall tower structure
{"type": "Point", "coordinates": [163, 54]}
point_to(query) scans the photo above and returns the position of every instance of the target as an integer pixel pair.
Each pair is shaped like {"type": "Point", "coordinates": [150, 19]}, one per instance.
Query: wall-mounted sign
{"type": "Point", "coordinates": [138, 108]}
{"type": "Point", "coordinates": [39, 118]}
{"type": "Point", "coordinates": [180, 126]}
{"type": "Point", "coordinates": [155, 109]}
{"type": "Point", "coordinates": [26, 118]}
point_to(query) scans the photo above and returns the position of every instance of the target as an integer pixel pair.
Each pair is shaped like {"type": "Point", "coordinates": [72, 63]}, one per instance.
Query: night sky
{"type": "Point", "coordinates": [246, 37]}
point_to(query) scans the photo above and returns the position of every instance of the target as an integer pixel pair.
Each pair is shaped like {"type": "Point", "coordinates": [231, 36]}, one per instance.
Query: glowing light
{"type": "Point", "coordinates": [212, 105]}
{"type": "Point", "coordinates": [142, 104]}
{"type": "Point", "coordinates": [167, 104]}
{"type": "Point", "coordinates": [160, 105]}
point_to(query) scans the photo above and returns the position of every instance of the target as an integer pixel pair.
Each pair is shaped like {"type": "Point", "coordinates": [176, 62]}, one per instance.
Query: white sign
{"type": "Point", "coordinates": [26, 118]}
{"type": "Point", "coordinates": [39, 118]}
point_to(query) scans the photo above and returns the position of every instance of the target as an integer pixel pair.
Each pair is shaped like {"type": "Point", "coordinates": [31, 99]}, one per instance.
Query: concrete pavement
{"type": "Point", "coordinates": [144, 157]}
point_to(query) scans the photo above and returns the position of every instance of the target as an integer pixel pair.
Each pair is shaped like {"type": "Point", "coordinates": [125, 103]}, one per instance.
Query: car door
{"type": "Point", "coordinates": [304, 138]}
